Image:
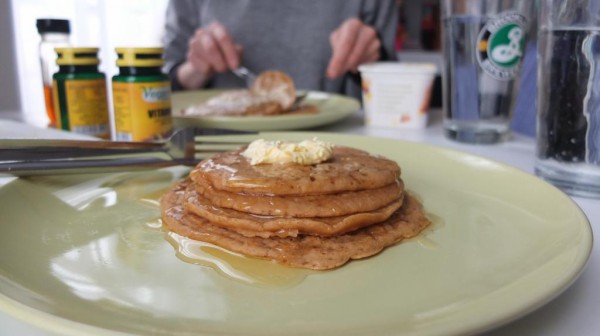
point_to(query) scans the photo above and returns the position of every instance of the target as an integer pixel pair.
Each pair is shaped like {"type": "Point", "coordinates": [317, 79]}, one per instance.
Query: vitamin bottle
{"type": "Point", "coordinates": [141, 96]}
{"type": "Point", "coordinates": [80, 93]}
{"type": "Point", "coordinates": [54, 33]}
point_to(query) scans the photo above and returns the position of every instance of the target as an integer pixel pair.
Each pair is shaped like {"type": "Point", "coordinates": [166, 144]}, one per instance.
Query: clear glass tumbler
{"type": "Point", "coordinates": [484, 43]}
{"type": "Point", "coordinates": [568, 119]}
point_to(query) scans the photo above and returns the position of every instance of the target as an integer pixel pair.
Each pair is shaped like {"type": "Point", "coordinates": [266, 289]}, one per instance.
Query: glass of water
{"type": "Point", "coordinates": [484, 43]}
{"type": "Point", "coordinates": [568, 119]}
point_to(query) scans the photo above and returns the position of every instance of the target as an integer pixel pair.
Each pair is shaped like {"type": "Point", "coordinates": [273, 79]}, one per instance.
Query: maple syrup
{"type": "Point", "coordinates": [235, 266]}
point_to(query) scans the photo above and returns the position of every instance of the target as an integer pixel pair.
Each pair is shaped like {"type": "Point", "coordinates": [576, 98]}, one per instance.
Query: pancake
{"type": "Point", "coordinates": [267, 226]}
{"type": "Point", "coordinates": [236, 103]}
{"type": "Point", "coordinates": [272, 93]}
{"type": "Point", "coordinates": [303, 109]}
{"type": "Point", "coordinates": [328, 205]}
{"type": "Point", "coordinates": [306, 251]}
{"type": "Point", "coordinates": [348, 170]}
{"type": "Point", "coordinates": [277, 86]}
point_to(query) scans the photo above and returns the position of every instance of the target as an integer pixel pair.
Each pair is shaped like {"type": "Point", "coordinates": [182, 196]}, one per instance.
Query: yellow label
{"type": "Point", "coordinates": [87, 107]}
{"type": "Point", "coordinates": [56, 104]}
{"type": "Point", "coordinates": [142, 110]}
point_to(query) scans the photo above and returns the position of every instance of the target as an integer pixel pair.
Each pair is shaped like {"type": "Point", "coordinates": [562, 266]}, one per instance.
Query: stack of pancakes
{"type": "Point", "coordinates": [313, 216]}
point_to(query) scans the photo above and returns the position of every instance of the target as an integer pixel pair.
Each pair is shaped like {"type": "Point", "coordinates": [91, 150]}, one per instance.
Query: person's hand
{"type": "Point", "coordinates": [353, 43]}
{"type": "Point", "coordinates": [211, 50]}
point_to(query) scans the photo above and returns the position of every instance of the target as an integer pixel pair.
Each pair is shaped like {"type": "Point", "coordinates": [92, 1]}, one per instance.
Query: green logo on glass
{"type": "Point", "coordinates": [500, 45]}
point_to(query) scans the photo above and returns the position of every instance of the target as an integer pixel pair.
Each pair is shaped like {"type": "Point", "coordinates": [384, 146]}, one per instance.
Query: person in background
{"type": "Point", "coordinates": [320, 44]}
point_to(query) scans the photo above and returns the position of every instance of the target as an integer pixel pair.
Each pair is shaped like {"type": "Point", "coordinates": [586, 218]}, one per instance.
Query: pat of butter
{"type": "Point", "coordinates": [306, 152]}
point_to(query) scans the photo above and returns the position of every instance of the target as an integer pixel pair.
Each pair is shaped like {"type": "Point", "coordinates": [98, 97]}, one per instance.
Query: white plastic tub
{"type": "Point", "coordinates": [397, 95]}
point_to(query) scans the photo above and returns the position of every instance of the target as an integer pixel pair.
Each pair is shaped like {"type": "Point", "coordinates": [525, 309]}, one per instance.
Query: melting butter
{"type": "Point", "coordinates": [306, 152]}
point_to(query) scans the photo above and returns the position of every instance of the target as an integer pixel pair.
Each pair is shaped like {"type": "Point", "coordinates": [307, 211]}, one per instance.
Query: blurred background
{"type": "Point", "coordinates": [94, 23]}
{"type": "Point", "coordinates": [114, 23]}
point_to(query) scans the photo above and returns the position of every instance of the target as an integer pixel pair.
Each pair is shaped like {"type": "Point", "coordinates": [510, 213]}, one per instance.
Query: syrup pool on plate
{"type": "Point", "coordinates": [235, 266]}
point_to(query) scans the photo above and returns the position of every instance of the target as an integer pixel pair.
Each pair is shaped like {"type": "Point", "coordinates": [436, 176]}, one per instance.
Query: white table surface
{"type": "Point", "coordinates": [575, 312]}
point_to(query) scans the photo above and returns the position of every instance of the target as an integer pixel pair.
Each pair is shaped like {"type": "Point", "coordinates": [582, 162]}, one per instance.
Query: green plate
{"type": "Point", "coordinates": [82, 255]}
{"type": "Point", "coordinates": [332, 107]}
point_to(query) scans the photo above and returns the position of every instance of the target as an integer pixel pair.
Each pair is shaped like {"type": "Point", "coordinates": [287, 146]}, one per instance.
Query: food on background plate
{"type": "Point", "coordinates": [272, 93]}
{"type": "Point", "coordinates": [309, 204]}
{"type": "Point", "coordinates": [276, 85]}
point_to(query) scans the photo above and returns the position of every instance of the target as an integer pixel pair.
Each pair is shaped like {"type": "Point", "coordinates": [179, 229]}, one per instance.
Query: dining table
{"type": "Point", "coordinates": [574, 311]}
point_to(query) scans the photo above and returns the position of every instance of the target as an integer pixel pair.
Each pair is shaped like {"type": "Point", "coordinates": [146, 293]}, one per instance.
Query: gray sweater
{"type": "Point", "coordinates": [287, 35]}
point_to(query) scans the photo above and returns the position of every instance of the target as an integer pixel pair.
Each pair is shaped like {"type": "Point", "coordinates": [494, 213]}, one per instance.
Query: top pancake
{"type": "Point", "coordinates": [349, 169]}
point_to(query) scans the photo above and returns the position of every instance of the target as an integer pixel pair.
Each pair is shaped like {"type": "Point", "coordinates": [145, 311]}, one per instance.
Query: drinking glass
{"type": "Point", "coordinates": [568, 118]}
{"type": "Point", "coordinates": [484, 43]}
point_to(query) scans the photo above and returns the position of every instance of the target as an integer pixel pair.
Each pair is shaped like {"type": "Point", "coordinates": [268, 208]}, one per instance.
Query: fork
{"type": "Point", "coordinates": [22, 157]}
{"type": "Point", "coordinates": [245, 74]}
